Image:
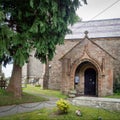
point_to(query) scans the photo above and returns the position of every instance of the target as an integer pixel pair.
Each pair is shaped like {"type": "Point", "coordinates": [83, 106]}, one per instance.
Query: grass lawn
{"type": "Point", "coordinates": [9, 99]}
{"type": "Point", "coordinates": [35, 94]}
{"type": "Point", "coordinates": [115, 95]}
{"type": "Point", "coordinates": [88, 113]}
{"type": "Point", "coordinates": [30, 94]}
{"type": "Point", "coordinates": [38, 91]}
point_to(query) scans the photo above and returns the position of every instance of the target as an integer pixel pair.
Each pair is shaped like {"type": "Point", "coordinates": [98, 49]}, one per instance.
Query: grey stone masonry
{"type": "Point", "coordinates": [104, 103]}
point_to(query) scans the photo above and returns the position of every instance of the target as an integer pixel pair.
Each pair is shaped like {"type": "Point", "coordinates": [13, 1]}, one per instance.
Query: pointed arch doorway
{"type": "Point", "coordinates": [90, 82]}
{"type": "Point", "coordinates": [88, 75]}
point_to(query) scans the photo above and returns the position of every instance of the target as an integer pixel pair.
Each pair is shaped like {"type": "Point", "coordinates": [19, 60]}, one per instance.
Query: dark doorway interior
{"type": "Point", "coordinates": [90, 82]}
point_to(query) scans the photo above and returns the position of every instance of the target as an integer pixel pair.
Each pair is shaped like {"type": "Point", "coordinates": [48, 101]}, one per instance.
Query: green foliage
{"type": "Point", "coordinates": [116, 87]}
{"type": "Point", "coordinates": [35, 24]}
{"type": "Point", "coordinates": [38, 85]}
{"type": "Point", "coordinates": [63, 106]}
{"type": "Point", "coordinates": [5, 39]}
{"type": "Point", "coordinates": [2, 16]}
{"type": "Point", "coordinates": [15, 41]}
{"type": "Point", "coordinates": [2, 92]}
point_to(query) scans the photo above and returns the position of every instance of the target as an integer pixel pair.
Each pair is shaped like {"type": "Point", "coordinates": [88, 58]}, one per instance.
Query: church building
{"type": "Point", "coordinates": [91, 52]}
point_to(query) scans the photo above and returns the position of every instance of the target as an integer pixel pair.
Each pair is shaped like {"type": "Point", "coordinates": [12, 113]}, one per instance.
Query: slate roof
{"type": "Point", "coordinates": [96, 29]}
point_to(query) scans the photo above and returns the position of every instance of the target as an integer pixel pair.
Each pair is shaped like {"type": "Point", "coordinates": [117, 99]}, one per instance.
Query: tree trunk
{"type": "Point", "coordinates": [46, 75]}
{"type": "Point", "coordinates": [0, 69]}
{"type": "Point", "coordinates": [15, 85]}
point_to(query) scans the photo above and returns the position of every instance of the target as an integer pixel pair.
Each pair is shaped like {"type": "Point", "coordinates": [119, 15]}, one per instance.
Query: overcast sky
{"type": "Point", "coordinates": [94, 7]}
{"type": "Point", "coordinates": [87, 12]}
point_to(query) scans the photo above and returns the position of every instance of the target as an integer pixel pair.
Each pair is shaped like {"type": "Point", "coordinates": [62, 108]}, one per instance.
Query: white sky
{"type": "Point", "coordinates": [87, 12]}
{"type": "Point", "coordinates": [7, 70]}
{"type": "Point", "coordinates": [94, 7]}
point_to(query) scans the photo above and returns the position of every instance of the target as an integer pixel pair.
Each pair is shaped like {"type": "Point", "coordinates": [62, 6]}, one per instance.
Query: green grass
{"type": "Point", "coordinates": [9, 99]}
{"type": "Point", "coordinates": [30, 94]}
{"type": "Point", "coordinates": [38, 91]}
{"type": "Point", "coordinates": [115, 95]}
{"type": "Point", "coordinates": [35, 94]}
{"type": "Point", "coordinates": [88, 113]}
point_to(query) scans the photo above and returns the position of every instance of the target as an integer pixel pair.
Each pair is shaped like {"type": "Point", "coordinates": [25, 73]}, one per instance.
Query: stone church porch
{"type": "Point", "coordinates": [92, 64]}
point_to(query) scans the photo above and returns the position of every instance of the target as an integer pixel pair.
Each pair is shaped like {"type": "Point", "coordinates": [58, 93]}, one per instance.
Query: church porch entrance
{"type": "Point", "coordinates": [88, 79]}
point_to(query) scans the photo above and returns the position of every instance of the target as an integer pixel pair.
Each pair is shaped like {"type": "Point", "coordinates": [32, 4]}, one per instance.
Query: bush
{"type": "Point", "coordinates": [3, 92]}
{"type": "Point", "coordinates": [116, 87]}
{"type": "Point", "coordinates": [63, 106]}
{"type": "Point", "coordinates": [38, 85]}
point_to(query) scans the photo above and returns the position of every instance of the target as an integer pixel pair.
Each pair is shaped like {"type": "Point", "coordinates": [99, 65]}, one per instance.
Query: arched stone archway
{"type": "Point", "coordinates": [87, 55]}
{"type": "Point", "coordinates": [88, 74]}
{"type": "Point", "coordinates": [79, 68]}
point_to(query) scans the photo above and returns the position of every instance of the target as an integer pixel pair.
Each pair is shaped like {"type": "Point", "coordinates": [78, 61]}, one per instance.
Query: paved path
{"type": "Point", "coordinates": [27, 107]}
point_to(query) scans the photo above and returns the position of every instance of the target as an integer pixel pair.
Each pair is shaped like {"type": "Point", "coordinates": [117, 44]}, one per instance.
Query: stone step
{"type": "Point", "coordinates": [72, 93]}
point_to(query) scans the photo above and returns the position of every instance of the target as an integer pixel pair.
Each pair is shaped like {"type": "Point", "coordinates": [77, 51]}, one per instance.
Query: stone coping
{"type": "Point", "coordinates": [104, 103]}
{"type": "Point", "coordinates": [98, 99]}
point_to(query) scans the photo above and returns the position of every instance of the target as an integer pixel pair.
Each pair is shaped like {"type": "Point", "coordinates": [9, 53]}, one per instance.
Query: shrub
{"type": "Point", "coordinates": [63, 106]}
{"type": "Point", "coordinates": [38, 85]}
{"type": "Point", "coordinates": [3, 92]}
{"type": "Point", "coordinates": [116, 87]}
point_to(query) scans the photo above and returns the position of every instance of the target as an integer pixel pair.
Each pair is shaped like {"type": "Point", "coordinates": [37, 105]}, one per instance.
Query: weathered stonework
{"type": "Point", "coordinates": [89, 55]}
{"type": "Point", "coordinates": [103, 103]}
{"type": "Point", "coordinates": [97, 51]}
{"type": "Point", "coordinates": [33, 70]}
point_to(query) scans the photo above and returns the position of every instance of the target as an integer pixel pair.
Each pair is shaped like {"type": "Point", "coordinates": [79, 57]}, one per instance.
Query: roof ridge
{"type": "Point", "coordinates": [108, 19]}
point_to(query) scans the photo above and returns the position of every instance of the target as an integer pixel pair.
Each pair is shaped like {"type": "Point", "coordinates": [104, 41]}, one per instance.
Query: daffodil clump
{"type": "Point", "coordinates": [63, 105]}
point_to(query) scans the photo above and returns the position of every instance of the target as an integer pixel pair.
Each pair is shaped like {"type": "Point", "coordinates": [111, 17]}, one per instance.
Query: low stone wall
{"type": "Point", "coordinates": [104, 103]}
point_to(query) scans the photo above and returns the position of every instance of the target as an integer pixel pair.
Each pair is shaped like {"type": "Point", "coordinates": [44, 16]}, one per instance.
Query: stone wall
{"type": "Point", "coordinates": [55, 64]}
{"type": "Point", "coordinates": [36, 69]}
{"type": "Point", "coordinates": [110, 45]}
{"type": "Point", "coordinates": [88, 51]}
{"type": "Point", "coordinates": [104, 103]}
{"type": "Point", "coordinates": [33, 69]}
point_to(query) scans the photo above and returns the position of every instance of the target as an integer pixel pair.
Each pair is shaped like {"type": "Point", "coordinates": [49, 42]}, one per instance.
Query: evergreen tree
{"type": "Point", "coordinates": [32, 24]}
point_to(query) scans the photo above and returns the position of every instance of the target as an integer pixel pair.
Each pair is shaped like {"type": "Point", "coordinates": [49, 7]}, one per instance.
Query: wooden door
{"type": "Point", "coordinates": [90, 82]}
